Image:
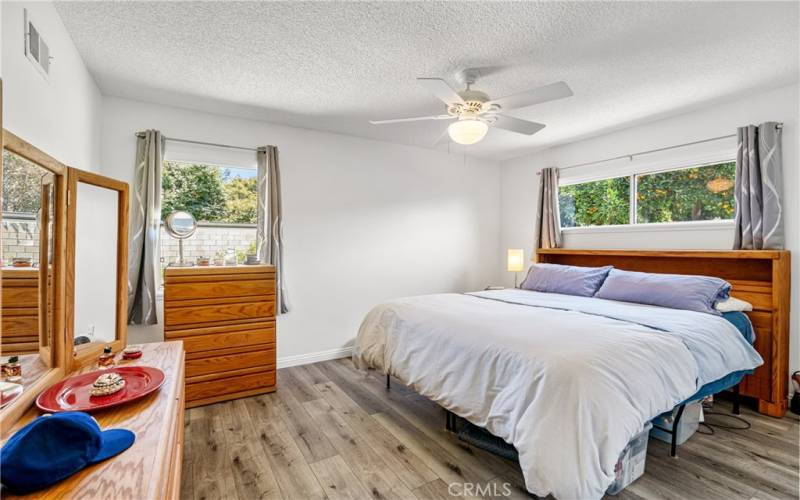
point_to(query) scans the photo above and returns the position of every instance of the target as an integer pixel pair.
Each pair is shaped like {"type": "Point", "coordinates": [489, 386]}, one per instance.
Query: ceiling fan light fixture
{"type": "Point", "coordinates": [467, 131]}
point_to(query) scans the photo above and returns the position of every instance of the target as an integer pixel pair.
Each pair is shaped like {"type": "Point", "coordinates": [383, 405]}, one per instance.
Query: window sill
{"type": "Point", "coordinates": [705, 225]}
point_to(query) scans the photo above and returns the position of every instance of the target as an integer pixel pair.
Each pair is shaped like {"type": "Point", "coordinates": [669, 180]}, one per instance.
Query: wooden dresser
{"type": "Point", "coordinates": [225, 317]}
{"type": "Point", "coordinates": [151, 468]}
{"type": "Point", "coordinates": [20, 314]}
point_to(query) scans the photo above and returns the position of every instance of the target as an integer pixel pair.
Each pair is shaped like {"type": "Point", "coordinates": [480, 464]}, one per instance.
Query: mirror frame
{"type": "Point", "coordinates": [11, 413]}
{"type": "Point", "coordinates": [77, 358]}
{"type": "Point", "coordinates": [45, 351]}
{"type": "Point", "coordinates": [171, 230]}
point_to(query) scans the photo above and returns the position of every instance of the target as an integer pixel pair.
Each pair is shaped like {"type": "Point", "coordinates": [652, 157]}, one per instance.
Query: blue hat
{"type": "Point", "coordinates": [54, 447]}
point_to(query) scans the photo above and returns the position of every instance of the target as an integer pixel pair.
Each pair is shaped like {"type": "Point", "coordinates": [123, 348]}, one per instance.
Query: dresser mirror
{"type": "Point", "coordinates": [32, 259]}
{"type": "Point", "coordinates": [180, 225]}
{"type": "Point", "coordinates": [97, 265]}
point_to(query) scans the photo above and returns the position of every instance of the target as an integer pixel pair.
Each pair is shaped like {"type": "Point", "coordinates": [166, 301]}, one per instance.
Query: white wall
{"type": "Point", "coordinates": [59, 115]}
{"type": "Point", "coordinates": [366, 221]}
{"type": "Point", "coordinates": [519, 181]}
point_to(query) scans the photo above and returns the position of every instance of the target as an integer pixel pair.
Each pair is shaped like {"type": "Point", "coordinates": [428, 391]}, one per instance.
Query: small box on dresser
{"type": "Point", "coordinates": [225, 317]}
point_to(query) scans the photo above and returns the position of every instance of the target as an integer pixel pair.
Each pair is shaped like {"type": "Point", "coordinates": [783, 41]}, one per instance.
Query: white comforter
{"type": "Point", "coordinates": [567, 380]}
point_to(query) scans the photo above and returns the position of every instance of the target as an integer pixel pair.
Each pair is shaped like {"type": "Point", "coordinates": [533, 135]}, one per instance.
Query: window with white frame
{"type": "Point", "coordinates": [694, 193]}
{"type": "Point", "coordinates": [223, 200]}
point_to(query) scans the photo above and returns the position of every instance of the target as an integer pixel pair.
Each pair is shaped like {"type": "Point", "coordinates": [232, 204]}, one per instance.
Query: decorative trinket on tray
{"type": "Point", "coordinates": [107, 383]}
{"type": "Point", "coordinates": [12, 370]}
{"type": "Point", "coordinates": [107, 358]}
{"type": "Point", "coordinates": [132, 352]}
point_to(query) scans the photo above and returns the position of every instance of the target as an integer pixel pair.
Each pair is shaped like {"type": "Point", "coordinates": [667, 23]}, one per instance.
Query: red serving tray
{"type": "Point", "coordinates": [74, 393]}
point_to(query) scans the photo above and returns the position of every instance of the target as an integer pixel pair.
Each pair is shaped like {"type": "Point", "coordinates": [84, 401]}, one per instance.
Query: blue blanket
{"type": "Point", "coordinates": [745, 327]}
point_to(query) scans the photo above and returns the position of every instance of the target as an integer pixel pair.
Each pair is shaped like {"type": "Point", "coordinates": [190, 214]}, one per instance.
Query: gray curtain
{"type": "Point", "coordinates": [548, 223]}
{"type": "Point", "coordinates": [758, 189]}
{"type": "Point", "coordinates": [145, 219]}
{"type": "Point", "coordinates": [270, 220]}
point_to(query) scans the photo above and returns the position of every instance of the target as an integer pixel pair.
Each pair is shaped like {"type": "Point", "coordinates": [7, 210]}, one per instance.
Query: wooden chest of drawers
{"type": "Point", "coordinates": [225, 317]}
{"type": "Point", "coordinates": [20, 313]}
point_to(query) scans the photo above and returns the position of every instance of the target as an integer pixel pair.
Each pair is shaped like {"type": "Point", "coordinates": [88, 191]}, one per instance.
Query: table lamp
{"type": "Point", "coordinates": [516, 262]}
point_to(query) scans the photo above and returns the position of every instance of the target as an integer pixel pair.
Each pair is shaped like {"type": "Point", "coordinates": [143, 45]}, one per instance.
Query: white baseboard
{"type": "Point", "coordinates": [314, 357]}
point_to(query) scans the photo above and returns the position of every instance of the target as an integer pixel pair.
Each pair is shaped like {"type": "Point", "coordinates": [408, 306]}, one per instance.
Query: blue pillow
{"type": "Point", "coordinates": [676, 291]}
{"type": "Point", "coordinates": [569, 280]}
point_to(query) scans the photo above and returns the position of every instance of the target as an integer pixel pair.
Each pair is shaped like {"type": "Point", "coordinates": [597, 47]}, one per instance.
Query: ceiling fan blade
{"type": "Point", "coordinates": [441, 89]}
{"type": "Point", "coordinates": [558, 90]}
{"type": "Point", "coordinates": [517, 125]}
{"type": "Point", "coordinates": [414, 119]}
{"type": "Point", "coordinates": [445, 137]}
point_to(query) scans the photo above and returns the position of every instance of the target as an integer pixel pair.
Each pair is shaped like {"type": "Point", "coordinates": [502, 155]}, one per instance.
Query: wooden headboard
{"type": "Point", "coordinates": [761, 277]}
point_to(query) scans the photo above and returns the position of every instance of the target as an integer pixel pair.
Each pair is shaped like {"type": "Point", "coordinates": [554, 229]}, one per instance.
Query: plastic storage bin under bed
{"type": "Point", "coordinates": [630, 465]}
{"type": "Point", "coordinates": [689, 423]}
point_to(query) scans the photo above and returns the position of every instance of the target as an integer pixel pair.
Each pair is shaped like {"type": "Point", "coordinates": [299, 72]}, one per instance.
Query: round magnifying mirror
{"type": "Point", "coordinates": [180, 225]}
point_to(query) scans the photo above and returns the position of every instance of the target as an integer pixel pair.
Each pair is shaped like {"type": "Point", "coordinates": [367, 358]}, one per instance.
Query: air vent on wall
{"type": "Point", "coordinates": [36, 49]}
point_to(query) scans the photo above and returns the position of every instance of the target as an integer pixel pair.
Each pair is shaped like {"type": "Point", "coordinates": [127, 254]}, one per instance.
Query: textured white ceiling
{"type": "Point", "coordinates": [334, 65]}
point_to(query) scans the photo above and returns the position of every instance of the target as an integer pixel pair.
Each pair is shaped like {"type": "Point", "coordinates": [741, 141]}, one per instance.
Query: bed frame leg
{"type": "Point", "coordinates": [388, 382]}
{"type": "Point", "coordinates": [673, 449]}
{"type": "Point", "coordinates": [449, 421]}
{"type": "Point", "coordinates": [737, 399]}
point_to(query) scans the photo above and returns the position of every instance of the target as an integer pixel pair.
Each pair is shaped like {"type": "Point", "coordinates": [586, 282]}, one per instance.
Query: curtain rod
{"type": "Point", "coordinates": [141, 134]}
{"type": "Point", "coordinates": [640, 153]}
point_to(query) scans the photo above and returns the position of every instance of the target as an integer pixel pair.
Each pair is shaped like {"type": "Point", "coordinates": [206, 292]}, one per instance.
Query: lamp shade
{"type": "Point", "coordinates": [516, 260]}
{"type": "Point", "coordinates": [467, 131]}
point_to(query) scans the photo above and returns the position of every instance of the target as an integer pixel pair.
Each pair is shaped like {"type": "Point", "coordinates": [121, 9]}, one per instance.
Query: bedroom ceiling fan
{"type": "Point", "coordinates": [475, 111]}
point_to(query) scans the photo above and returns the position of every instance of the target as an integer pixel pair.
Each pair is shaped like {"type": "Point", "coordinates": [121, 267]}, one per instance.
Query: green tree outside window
{"type": "Point", "coordinates": [700, 193]}
{"type": "Point", "coordinates": [597, 203]}
{"type": "Point", "coordinates": [22, 184]}
{"type": "Point", "coordinates": [209, 193]}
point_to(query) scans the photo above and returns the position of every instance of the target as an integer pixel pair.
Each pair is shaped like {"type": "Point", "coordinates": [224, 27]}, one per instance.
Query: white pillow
{"type": "Point", "coordinates": [732, 304]}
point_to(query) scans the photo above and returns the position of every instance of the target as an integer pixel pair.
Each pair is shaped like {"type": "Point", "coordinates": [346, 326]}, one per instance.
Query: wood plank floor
{"type": "Point", "coordinates": [332, 432]}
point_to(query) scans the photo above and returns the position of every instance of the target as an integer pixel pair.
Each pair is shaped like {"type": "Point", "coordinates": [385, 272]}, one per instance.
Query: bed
{"type": "Point", "coordinates": [761, 277]}
{"type": "Point", "coordinates": [567, 380]}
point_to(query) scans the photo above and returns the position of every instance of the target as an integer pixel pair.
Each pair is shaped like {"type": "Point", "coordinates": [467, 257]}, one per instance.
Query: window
{"type": "Point", "coordinates": [22, 199]}
{"type": "Point", "coordinates": [222, 199]}
{"type": "Point", "coordinates": [698, 193]}
{"type": "Point", "coordinates": [596, 203]}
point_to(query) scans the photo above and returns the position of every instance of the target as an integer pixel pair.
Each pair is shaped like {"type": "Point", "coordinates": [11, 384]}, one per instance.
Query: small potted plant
{"type": "Point", "coordinates": [219, 259]}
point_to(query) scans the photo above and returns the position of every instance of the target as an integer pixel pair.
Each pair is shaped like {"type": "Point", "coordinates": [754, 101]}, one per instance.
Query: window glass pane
{"type": "Point", "coordinates": [22, 201]}
{"type": "Point", "coordinates": [211, 241]}
{"type": "Point", "coordinates": [209, 192]}
{"type": "Point", "coordinates": [596, 203]}
{"type": "Point", "coordinates": [699, 193]}
{"type": "Point", "coordinates": [222, 199]}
